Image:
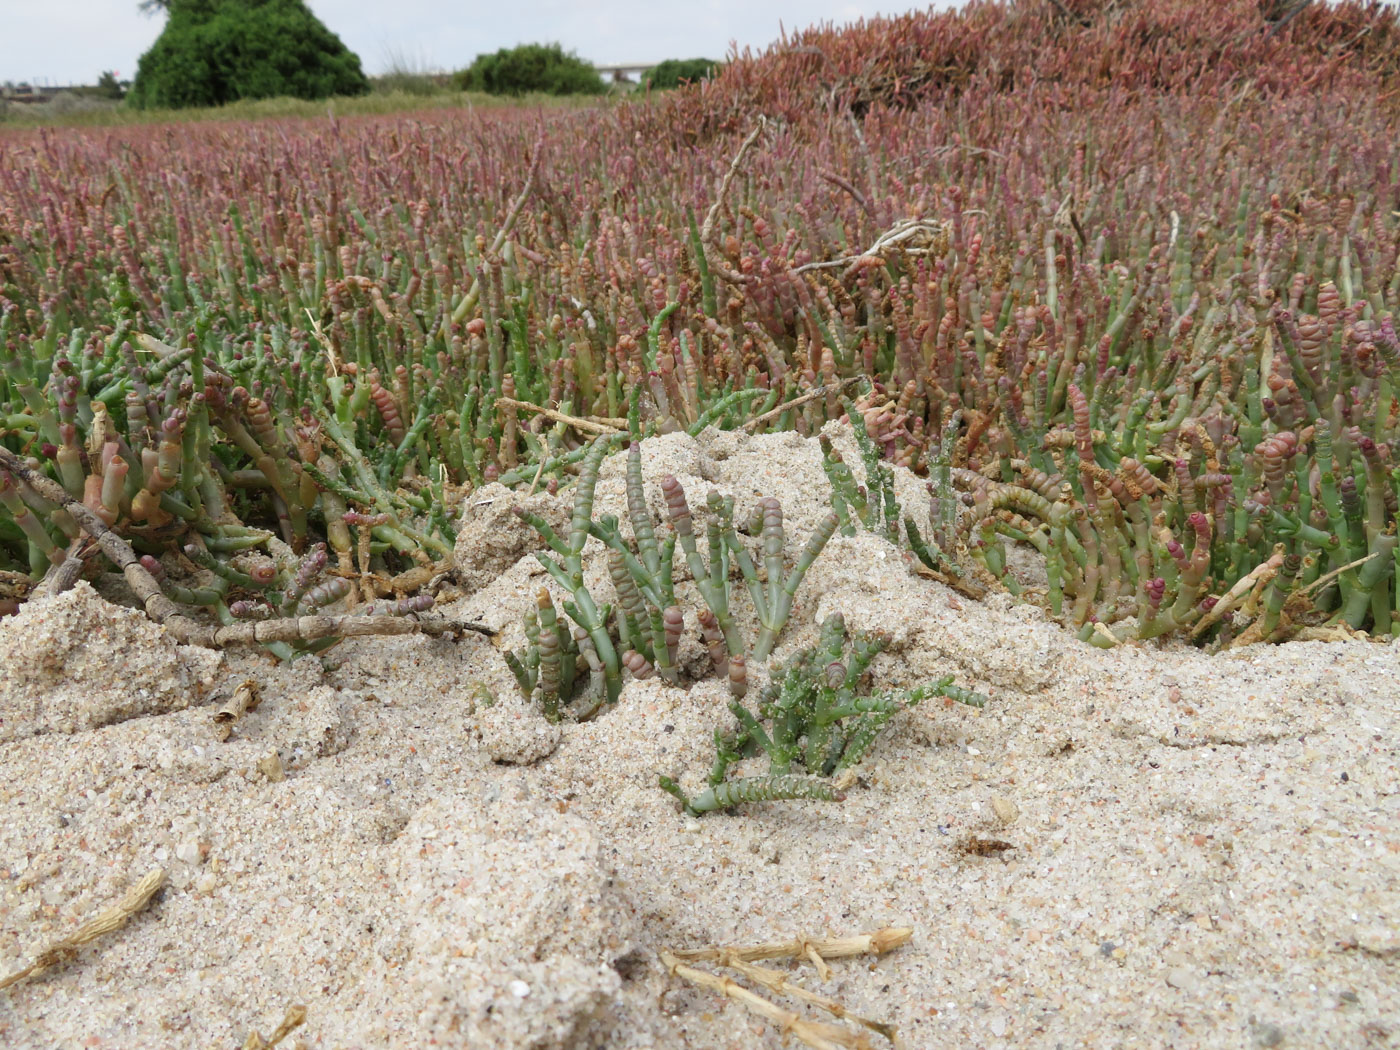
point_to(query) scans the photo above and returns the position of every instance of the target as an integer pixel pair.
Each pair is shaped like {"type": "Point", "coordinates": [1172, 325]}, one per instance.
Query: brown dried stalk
{"type": "Point", "coordinates": [783, 984]}
{"type": "Point", "coordinates": [877, 943]}
{"type": "Point", "coordinates": [295, 1018]}
{"type": "Point", "coordinates": [108, 921]}
{"type": "Point", "coordinates": [589, 424]}
{"type": "Point", "coordinates": [189, 632]}
{"type": "Point", "coordinates": [811, 395]}
{"type": "Point", "coordinates": [1260, 574]}
{"type": "Point", "coordinates": [245, 698]}
{"type": "Point", "coordinates": [709, 231]}
{"type": "Point", "coordinates": [815, 1034]}
{"type": "Point", "coordinates": [845, 184]}
{"type": "Point", "coordinates": [901, 231]}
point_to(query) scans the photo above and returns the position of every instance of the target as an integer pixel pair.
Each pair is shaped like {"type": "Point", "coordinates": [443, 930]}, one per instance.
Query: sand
{"type": "Point", "coordinates": [1206, 848]}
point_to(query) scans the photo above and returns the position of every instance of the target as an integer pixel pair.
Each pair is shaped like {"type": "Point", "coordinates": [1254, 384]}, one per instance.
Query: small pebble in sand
{"type": "Point", "coordinates": [1005, 810]}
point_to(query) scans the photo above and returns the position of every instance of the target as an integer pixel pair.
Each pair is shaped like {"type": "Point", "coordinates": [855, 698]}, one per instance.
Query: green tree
{"type": "Point", "coordinates": [218, 51]}
{"type": "Point", "coordinates": [545, 68]}
{"type": "Point", "coordinates": [677, 71]}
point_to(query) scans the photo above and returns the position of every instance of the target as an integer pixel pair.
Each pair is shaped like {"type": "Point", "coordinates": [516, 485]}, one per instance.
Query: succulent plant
{"type": "Point", "coordinates": [815, 713]}
{"type": "Point", "coordinates": [1162, 304]}
{"type": "Point", "coordinates": [641, 631]}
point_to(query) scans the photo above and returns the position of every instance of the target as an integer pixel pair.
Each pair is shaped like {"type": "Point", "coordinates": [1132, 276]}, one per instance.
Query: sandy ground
{"type": "Point", "coordinates": [1206, 848]}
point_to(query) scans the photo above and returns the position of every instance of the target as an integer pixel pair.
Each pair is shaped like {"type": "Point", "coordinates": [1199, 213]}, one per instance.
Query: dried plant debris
{"type": "Point", "coordinates": [816, 1034]}
{"type": "Point", "coordinates": [976, 846]}
{"type": "Point", "coordinates": [105, 922]}
{"type": "Point", "coordinates": [246, 697]}
{"type": "Point", "coordinates": [294, 1019]}
{"type": "Point", "coordinates": [302, 593]}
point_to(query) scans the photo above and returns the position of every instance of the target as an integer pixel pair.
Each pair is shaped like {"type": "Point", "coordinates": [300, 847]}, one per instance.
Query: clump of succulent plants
{"type": "Point", "coordinates": [814, 721]}
{"type": "Point", "coordinates": [640, 632]}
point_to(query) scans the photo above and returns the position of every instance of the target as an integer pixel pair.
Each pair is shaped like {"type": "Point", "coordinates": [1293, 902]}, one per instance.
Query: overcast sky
{"type": "Point", "coordinates": [72, 41]}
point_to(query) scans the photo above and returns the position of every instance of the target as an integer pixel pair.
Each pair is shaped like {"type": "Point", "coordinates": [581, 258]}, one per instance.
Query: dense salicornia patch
{"type": "Point", "coordinates": [1122, 277]}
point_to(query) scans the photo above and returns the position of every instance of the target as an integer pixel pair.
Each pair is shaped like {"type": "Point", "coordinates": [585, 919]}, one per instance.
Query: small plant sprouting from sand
{"type": "Point", "coordinates": [641, 632]}
{"type": "Point", "coordinates": [816, 713]}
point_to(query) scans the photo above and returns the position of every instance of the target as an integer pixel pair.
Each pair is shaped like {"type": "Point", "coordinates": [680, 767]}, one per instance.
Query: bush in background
{"type": "Point", "coordinates": [216, 52]}
{"type": "Point", "coordinates": [544, 68]}
{"type": "Point", "coordinates": [677, 71]}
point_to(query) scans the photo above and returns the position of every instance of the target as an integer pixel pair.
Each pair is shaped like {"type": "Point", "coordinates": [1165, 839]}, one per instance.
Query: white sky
{"type": "Point", "coordinates": [72, 41]}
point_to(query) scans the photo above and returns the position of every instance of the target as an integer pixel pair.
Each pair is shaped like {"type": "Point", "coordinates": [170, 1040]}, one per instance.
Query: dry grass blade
{"type": "Point", "coordinates": [815, 1034]}
{"type": "Point", "coordinates": [108, 921]}
{"type": "Point", "coordinates": [295, 1018]}
{"type": "Point", "coordinates": [814, 950]}
{"type": "Point", "coordinates": [776, 981]}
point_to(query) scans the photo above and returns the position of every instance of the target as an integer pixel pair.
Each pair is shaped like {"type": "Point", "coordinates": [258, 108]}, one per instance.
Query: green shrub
{"type": "Point", "coordinates": [677, 71]}
{"type": "Point", "coordinates": [217, 51]}
{"type": "Point", "coordinates": [544, 68]}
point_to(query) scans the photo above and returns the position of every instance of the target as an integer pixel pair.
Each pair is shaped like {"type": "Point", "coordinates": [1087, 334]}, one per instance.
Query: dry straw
{"type": "Point", "coordinates": [295, 1018]}
{"type": "Point", "coordinates": [816, 1034]}
{"type": "Point", "coordinates": [108, 921]}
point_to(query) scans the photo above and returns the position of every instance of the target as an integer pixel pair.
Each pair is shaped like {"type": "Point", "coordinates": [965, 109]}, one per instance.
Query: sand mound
{"type": "Point", "coordinates": [1203, 850]}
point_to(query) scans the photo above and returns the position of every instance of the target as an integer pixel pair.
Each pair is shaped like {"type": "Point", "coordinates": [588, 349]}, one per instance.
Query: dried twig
{"type": "Point", "coordinates": [843, 183]}
{"type": "Point", "coordinates": [588, 424]}
{"type": "Point", "coordinates": [877, 943]}
{"type": "Point", "coordinates": [811, 395]}
{"type": "Point", "coordinates": [897, 234]}
{"type": "Point", "coordinates": [815, 1034]}
{"type": "Point", "coordinates": [1284, 13]}
{"type": "Point", "coordinates": [108, 921]}
{"type": "Point", "coordinates": [1326, 578]}
{"type": "Point", "coordinates": [1263, 571]}
{"type": "Point", "coordinates": [709, 231]}
{"type": "Point", "coordinates": [295, 1018]}
{"type": "Point", "coordinates": [473, 296]}
{"type": "Point", "coordinates": [777, 981]}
